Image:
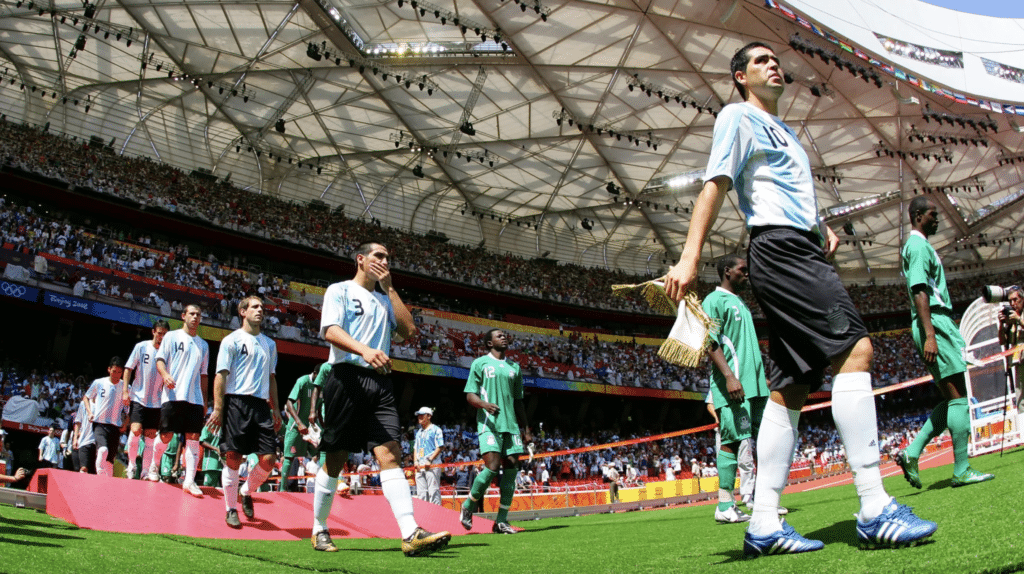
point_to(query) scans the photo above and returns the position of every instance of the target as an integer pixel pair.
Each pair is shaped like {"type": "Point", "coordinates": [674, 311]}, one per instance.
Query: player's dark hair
{"type": "Point", "coordinates": [739, 64]}
{"type": "Point", "coordinates": [161, 324]}
{"type": "Point", "coordinates": [918, 206]}
{"type": "Point", "coordinates": [116, 361]}
{"type": "Point", "coordinates": [364, 249]}
{"type": "Point", "coordinates": [725, 263]}
{"type": "Point", "coordinates": [488, 336]}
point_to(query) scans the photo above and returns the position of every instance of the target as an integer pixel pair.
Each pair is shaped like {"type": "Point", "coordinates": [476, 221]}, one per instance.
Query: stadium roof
{"type": "Point", "coordinates": [464, 117]}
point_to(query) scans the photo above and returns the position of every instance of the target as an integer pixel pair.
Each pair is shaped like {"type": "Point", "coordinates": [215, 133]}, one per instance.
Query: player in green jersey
{"type": "Point", "coordinates": [301, 416]}
{"type": "Point", "coordinates": [212, 463]}
{"type": "Point", "coordinates": [495, 387]}
{"type": "Point", "coordinates": [738, 385]}
{"type": "Point", "coordinates": [939, 342]}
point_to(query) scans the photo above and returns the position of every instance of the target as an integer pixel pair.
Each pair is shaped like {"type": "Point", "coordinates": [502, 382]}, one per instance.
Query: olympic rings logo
{"type": "Point", "coordinates": [13, 290]}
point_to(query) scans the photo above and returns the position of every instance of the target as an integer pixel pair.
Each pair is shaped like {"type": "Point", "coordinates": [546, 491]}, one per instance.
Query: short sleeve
{"type": "Point", "coordinates": [729, 149]}
{"type": "Point", "coordinates": [333, 309]}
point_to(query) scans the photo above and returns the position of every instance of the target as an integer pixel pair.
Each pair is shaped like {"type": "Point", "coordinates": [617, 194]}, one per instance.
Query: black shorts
{"type": "Point", "coordinates": [108, 436]}
{"type": "Point", "coordinates": [148, 417]}
{"type": "Point", "coordinates": [359, 410]}
{"type": "Point", "coordinates": [811, 318]}
{"type": "Point", "coordinates": [247, 426]}
{"type": "Point", "coordinates": [181, 417]}
{"type": "Point", "coordinates": [87, 458]}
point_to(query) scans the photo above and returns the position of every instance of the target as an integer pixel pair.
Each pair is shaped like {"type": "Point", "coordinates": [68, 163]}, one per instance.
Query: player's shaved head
{"type": "Point", "coordinates": [918, 205]}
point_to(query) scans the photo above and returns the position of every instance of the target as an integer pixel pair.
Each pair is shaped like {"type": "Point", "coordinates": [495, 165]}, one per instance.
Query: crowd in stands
{"type": "Point", "coordinates": [158, 185]}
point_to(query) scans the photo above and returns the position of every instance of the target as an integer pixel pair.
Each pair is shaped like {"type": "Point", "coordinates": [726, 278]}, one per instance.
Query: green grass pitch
{"type": "Point", "coordinates": [981, 531]}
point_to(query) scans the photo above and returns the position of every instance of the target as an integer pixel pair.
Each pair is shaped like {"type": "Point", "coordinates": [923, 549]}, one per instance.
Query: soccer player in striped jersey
{"type": "Point", "coordinates": [245, 405]}
{"type": "Point", "coordinates": [106, 411]}
{"type": "Point", "coordinates": [359, 402]}
{"type": "Point", "coordinates": [495, 388]}
{"type": "Point", "coordinates": [142, 391]}
{"type": "Point", "coordinates": [182, 361]}
{"type": "Point", "coordinates": [812, 322]}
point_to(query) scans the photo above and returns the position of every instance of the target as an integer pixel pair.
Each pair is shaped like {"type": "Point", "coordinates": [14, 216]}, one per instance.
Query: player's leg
{"type": "Point", "coordinates": [509, 470]}
{"type": "Point", "coordinates": [434, 486]}
{"type": "Point", "coordinates": [490, 451]}
{"type": "Point", "coordinates": [150, 435]}
{"type": "Point", "coordinates": [294, 447]}
{"type": "Point", "coordinates": [415, 540]}
{"type": "Point", "coordinates": [191, 454]}
{"type": "Point", "coordinates": [104, 437]}
{"type": "Point", "coordinates": [958, 420]}
{"type": "Point", "coordinates": [164, 438]}
{"type": "Point", "coordinates": [229, 482]}
{"type": "Point", "coordinates": [131, 449]}
{"type": "Point", "coordinates": [324, 490]}
{"type": "Point", "coordinates": [727, 462]}
{"type": "Point", "coordinates": [775, 443]}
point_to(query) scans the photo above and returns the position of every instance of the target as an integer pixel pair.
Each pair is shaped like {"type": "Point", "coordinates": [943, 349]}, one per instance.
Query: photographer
{"type": "Point", "coordinates": [1011, 333]}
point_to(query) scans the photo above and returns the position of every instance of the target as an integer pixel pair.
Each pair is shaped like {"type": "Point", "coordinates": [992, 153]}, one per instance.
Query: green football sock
{"type": "Point", "coordinates": [959, 421]}
{"type": "Point", "coordinates": [726, 479]}
{"type": "Point", "coordinates": [932, 428]}
{"type": "Point", "coordinates": [483, 480]}
{"type": "Point", "coordinates": [286, 464]}
{"type": "Point", "coordinates": [508, 491]}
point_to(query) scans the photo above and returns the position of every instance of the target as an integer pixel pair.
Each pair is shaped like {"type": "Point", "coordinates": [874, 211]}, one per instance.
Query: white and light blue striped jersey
{"type": "Point", "coordinates": [768, 167]}
{"type": "Point", "coordinates": [249, 362]}
{"type": "Point", "coordinates": [367, 316]}
{"type": "Point", "coordinates": [106, 404]}
{"type": "Point", "coordinates": [146, 382]}
{"type": "Point", "coordinates": [85, 434]}
{"type": "Point", "coordinates": [427, 440]}
{"type": "Point", "coordinates": [187, 358]}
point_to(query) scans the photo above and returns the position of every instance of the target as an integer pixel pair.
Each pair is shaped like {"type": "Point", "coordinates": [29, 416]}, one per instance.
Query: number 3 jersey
{"type": "Point", "coordinates": [738, 341]}
{"type": "Point", "coordinates": [248, 360]}
{"type": "Point", "coordinates": [768, 167]}
{"type": "Point", "coordinates": [496, 381]}
{"type": "Point", "coordinates": [367, 316]}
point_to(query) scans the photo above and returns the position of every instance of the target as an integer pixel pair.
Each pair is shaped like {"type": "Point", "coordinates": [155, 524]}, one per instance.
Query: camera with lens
{"type": "Point", "coordinates": [997, 294]}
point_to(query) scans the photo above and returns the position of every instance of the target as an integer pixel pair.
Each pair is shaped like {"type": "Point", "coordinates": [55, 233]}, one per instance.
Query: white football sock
{"type": "Point", "coordinates": [191, 460]}
{"type": "Point", "coordinates": [229, 481]}
{"type": "Point", "coordinates": [853, 409]}
{"type": "Point", "coordinates": [396, 490]}
{"type": "Point", "coordinates": [132, 448]}
{"type": "Point", "coordinates": [324, 491]}
{"type": "Point", "coordinates": [257, 476]}
{"type": "Point", "coordinates": [159, 448]}
{"type": "Point", "coordinates": [147, 455]}
{"type": "Point", "coordinates": [103, 468]}
{"type": "Point", "coordinates": [775, 442]}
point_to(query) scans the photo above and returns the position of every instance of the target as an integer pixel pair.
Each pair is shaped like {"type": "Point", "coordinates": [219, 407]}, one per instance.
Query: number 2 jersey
{"type": "Point", "coordinates": [500, 382]}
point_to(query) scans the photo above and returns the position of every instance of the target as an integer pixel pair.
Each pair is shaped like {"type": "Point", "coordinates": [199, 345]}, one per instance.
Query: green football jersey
{"type": "Point", "coordinates": [211, 460]}
{"type": "Point", "coordinates": [738, 341]}
{"type": "Point", "coordinates": [498, 382]}
{"type": "Point", "coordinates": [922, 266]}
{"type": "Point", "coordinates": [302, 394]}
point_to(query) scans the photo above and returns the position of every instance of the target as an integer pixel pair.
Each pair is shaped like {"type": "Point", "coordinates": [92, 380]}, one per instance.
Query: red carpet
{"type": "Point", "coordinates": [140, 507]}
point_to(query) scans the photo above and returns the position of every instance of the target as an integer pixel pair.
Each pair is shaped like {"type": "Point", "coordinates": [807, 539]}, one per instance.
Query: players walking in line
{"type": "Point", "coordinates": [495, 388]}
{"type": "Point", "coordinates": [106, 411]}
{"type": "Point", "coordinates": [182, 361]}
{"type": "Point", "coordinates": [812, 321]}
{"type": "Point", "coordinates": [426, 449]}
{"type": "Point", "coordinates": [359, 403]}
{"type": "Point", "coordinates": [303, 408]}
{"type": "Point", "coordinates": [941, 347]}
{"type": "Point", "coordinates": [245, 404]}
{"type": "Point", "coordinates": [142, 391]}
{"type": "Point", "coordinates": [738, 384]}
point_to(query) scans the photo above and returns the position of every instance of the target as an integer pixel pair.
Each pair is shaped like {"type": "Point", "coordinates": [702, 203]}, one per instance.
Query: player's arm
{"type": "Point", "coordinates": [714, 414]}
{"type": "Point", "coordinates": [127, 379]}
{"type": "Point", "coordinates": [341, 339]}
{"type": "Point", "coordinates": [209, 446]}
{"type": "Point", "coordinates": [216, 418]}
{"type": "Point", "coordinates": [733, 387]}
{"type": "Point", "coordinates": [524, 426]}
{"type": "Point", "coordinates": [831, 241]}
{"type": "Point", "coordinates": [406, 325]}
{"type": "Point", "coordinates": [314, 413]}
{"type": "Point", "coordinates": [165, 375]}
{"type": "Point", "coordinates": [476, 402]}
{"type": "Point", "coordinates": [204, 382]}
{"type": "Point", "coordinates": [275, 412]}
{"type": "Point", "coordinates": [77, 435]}
{"type": "Point", "coordinates": [924, 313]}
{"type": "Point", "coordinates": [683, 274]}
{"type": "Point", "coordinates": [289, 408]}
